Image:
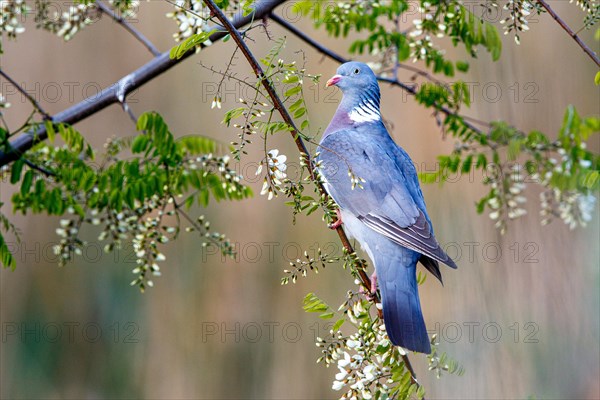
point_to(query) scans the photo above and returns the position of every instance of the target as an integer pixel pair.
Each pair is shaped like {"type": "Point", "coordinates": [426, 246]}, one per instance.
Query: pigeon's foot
{"type": "Point", "coordinates": [373, 293]}
{"type": "Point", "coordinates": [373, 283]}
{"type": "Point", "coordinates": [337, 222]}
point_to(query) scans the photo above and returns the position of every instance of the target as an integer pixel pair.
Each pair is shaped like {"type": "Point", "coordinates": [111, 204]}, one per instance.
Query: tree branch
{"type": "Point", "coordinates": [278, 104]}
{"type": "Point", "coordinates": [31, 99]}
{"type": "Point", "coordinates": [116, 92]}
{"type": "Point", "coordinates": [123, 22]}
{"type": "Point", "coordinates": [563, 25]}
{"type": "Point", "coordinates": [392, 81]}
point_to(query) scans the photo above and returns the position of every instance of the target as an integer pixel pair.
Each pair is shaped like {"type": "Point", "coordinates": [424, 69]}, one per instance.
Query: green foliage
{"type": "Point", "coordinates": [132, 199]}
{"type": "Point", "coordinates": [441, 18]}
{"type": "Point", "coordinates": [441, 363]}
{"type": "Point", "coordinates": [6, 258]}
{"type": "Point", "coordinates": [258, 117]}
{"type": "Point", "coordinates": [192, 42]}
{"type": "Point", "coordinates": [510, 160]}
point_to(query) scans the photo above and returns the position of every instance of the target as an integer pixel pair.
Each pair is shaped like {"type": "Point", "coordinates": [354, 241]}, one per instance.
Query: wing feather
{"type": "Point", "coordinates": [391, 202]}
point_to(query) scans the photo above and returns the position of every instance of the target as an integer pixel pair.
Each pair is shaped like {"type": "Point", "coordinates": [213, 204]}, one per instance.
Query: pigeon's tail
{"type": "Point", "coordinates": [402, 309]}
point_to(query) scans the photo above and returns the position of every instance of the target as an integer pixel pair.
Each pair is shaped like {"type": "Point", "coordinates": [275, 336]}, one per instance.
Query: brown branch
{"type": "Point", "coordinates": [29, 97]}
{"type": "Point", "coordinates": [567, 29]}
{"type": "Point", "coordinates": [278, 104]}
{"type": "Point", "coordinates": [123, 22]}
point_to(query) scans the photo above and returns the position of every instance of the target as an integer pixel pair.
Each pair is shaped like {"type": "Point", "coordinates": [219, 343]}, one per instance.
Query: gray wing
{"type": "Point", "coordinates": [387, 203]}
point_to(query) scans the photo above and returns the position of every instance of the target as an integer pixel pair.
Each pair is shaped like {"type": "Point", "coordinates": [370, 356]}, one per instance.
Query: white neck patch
{"type": "Point", "coordinates": [365, 111]}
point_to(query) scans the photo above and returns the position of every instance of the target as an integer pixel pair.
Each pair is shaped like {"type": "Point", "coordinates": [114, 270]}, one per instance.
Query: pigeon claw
{"type": "Point", "coordinates": [372, 294]}
{"type": "Point", "coordinates": [338, 222]}
{"type": "Point", "coordinates": [373, 283]}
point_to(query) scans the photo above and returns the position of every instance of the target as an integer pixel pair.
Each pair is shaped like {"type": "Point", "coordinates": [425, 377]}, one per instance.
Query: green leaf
{"type": "Point", "coordinates": [233, 114]}
{"type": "Point", "coordinates": [481, 161]}
{"type": "Point", "coordinates": [291, 79]}
{"type": "Point", "coordinates": [327, 315]}
{"type": "Point", "coordinates": [312, 303]}
{"type": "Point", "coordinates": [462, 66]}
{"type": "Point", "coordinates": [26, 183]}
{"type": "Point", "coordinates": [591, 179]}
{"type": "Point", "coordinates": [514, 149]}
{"type": "Point", "coordinates": [466, 166]}
{"type": "Point", "coordinates": [597, 79]}
{"type": "Point", "coordinates": [140, 143]}
{"type": "Point", "coordinates": [50, 131]}
{"type": "Point", "coordinates": [188, 44]}
{"type": "Point", "coordinates": [6, 257]}
{"type": "Point", "coordinates": [493, 41]}
{"type": "Point", "coordinates": [15, 173]}
{"type": "Point", "coordinates": [292, 91]}
{"type": "Point", "coordinates": [338, 324]}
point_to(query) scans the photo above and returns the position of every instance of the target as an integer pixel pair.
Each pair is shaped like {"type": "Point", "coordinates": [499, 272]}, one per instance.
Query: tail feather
{"type": "Point", "coordinates": [432, 266]}
{"type": "Point", "coordinates": [403, 318]}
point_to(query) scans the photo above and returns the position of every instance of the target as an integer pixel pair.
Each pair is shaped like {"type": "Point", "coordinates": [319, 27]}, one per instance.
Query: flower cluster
{"type": "Point", "coordinates": [361, 372]}
{"type": "Point", "coordinates": [191, 17]}
{"type": "Point", "coordinates": [574, 208]}
{"type": "Point", "coordinates": [276, 168]}
{"type": "Point", "coordinates": [67, 23]}
{"type": "Point", "coordinates": [3, 102]}
{"type": "Point", "coordinates": [421, 43]}
{"type": "Point", "coordinates": [368, 364]}
{"type": "Point", "coordinates": [506, 199]}
{"type": "Point", "coordinates": [11, 17]}
{"type": "Point", "coordinates": [519, 10]}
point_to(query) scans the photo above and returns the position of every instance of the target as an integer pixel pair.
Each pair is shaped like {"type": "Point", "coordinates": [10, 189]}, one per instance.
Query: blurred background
{"type": "Point", "coordinates": [521, 313]}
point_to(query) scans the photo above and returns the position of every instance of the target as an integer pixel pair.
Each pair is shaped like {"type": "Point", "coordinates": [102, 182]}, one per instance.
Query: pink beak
{"type": "Point", "coordinates": [333, 81]}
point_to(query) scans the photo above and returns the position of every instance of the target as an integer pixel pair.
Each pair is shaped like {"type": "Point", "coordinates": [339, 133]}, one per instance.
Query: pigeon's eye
{"type": "Point", "coordinates": [356, 71]}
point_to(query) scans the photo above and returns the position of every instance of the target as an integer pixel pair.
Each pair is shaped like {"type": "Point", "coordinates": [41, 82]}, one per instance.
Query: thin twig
{"type": "Point", "coordinates": [112, 94]}
{"type": "Point", "coordinates": [123, 22]}
{"type": "Point", "coordinates": [567, 29]}
{"type": "Point", "coordinates": [410, 89]}
{"type": "Point", "coordinates": [41, 169]}
{"type": "Point", "coordinates": [31, 99]}
{"type": "Point", "coordinates": [278, 104]}
{"type": "Point", "coordinates": [129, 112]}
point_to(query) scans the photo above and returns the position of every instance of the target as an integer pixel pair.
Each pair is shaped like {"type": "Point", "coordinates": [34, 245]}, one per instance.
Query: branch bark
{"type": "Point", "coordinates": [278, 104]}
{"type": "Point", "coordinates": [117, 92]}
{"type": "Point", "coordinates": [567, 29]}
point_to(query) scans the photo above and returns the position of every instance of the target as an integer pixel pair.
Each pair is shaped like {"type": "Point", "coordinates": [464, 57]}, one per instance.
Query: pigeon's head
{"type": "Point", "coordinates": [354, 76]}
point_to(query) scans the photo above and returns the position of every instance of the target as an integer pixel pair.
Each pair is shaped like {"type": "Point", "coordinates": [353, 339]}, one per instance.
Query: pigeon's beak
{"type": "Point", "coordinates": [333, 81]}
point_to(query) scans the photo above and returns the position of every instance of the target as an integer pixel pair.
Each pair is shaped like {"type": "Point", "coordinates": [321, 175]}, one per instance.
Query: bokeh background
{"type": "Point", "coordinates": [521, 314]}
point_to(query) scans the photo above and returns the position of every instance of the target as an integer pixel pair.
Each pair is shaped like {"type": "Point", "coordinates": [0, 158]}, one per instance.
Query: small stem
{"type": "Point", "coordinates": [563, 25]}
{"type": "Point", "coordinates": [43, 170]}
{"type": "Point", "coordinates": [123, 22]}
{"type": "Point", "coordinates": [32, 100]}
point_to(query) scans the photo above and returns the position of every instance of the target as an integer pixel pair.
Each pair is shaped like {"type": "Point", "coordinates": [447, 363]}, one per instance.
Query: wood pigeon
{"type": "Point", "coordinates": [375, 185]}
